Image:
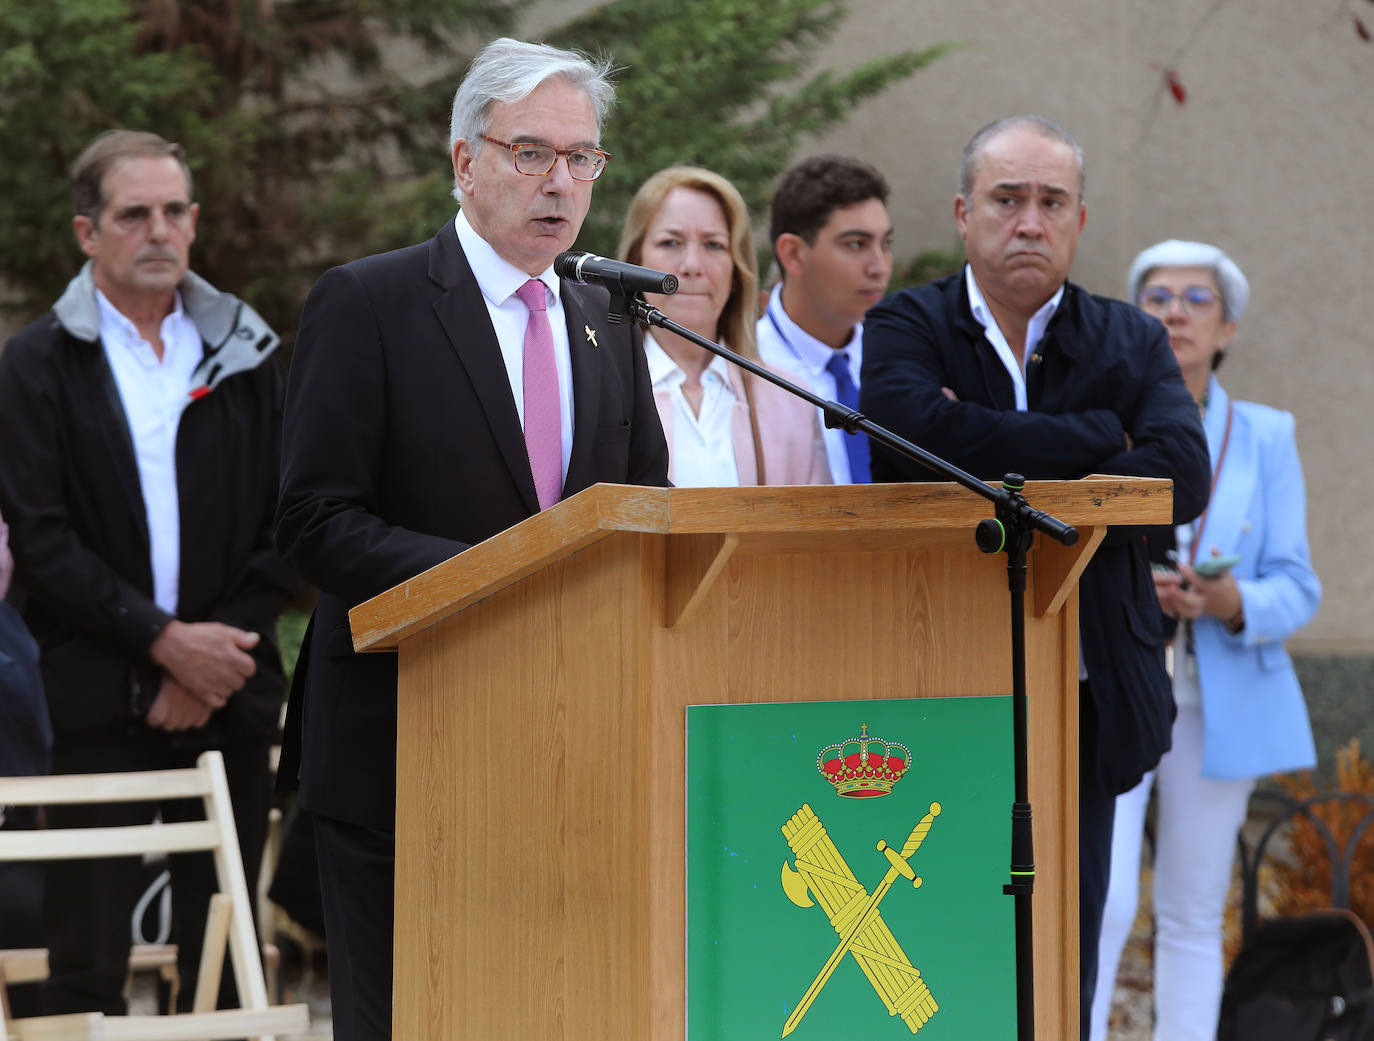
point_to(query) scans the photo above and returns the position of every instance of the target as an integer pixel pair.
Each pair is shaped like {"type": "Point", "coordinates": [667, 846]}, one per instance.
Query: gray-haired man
{"type": "Point", "coordinates": [1008, 366]}
{"type": "Point", "coordinates": [440, 394]}
{"type": "Point", "coordinates": [140, 419]}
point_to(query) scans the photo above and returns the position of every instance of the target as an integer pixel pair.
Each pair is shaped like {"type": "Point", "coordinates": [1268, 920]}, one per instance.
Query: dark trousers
{"type": "Point", "coordinates": [21, 923]}
{"type": "Point", "coordinates": [88, 904]}
{"type": "Point", "coordinates": [1096, 812]}
{"type": "Point", "coordinates": [357, 881]}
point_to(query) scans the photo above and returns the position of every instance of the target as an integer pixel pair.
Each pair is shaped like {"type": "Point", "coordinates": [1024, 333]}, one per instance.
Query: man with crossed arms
{"type": "Point", "coordinates": [1009, 367]}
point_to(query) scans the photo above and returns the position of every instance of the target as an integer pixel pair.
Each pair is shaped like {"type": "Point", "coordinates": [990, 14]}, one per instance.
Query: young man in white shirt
{"type": "Point", "coordinates": [832, 239]}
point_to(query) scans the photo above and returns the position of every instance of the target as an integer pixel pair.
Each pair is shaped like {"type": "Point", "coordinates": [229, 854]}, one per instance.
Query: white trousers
{"type": "Point", "coordinates": [1196, 823]}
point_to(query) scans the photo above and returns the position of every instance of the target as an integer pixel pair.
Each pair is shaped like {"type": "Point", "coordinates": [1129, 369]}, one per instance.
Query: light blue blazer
{"type": "Point", "coordinates": [1254, 718]}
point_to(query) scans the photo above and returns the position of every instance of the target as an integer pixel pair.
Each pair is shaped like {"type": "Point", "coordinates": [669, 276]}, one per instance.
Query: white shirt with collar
{"type": "Point", "coordinates": [498, 279]}
{"type": "Point", "coordinates": [1035, 332]}
{"type": "Point", "coordinates": [786, 345]}
{"type": "Point", "coordinates": [154, 394]}
{"type": "Point", "coordinates": [701, 448]}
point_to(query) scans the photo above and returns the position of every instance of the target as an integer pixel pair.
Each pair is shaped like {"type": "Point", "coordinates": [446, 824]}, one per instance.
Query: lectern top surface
{"type": "Point", "coordinates": [823, 517]}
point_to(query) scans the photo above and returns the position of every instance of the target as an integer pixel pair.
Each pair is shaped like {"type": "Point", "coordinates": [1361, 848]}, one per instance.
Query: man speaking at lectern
{"type": "Point", "coordinates": [440, 394]}
{"type": "Point", "coordinates": [1008, 367]}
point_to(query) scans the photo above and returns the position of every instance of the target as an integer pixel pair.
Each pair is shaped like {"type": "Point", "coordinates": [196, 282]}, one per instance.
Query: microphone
{"type": "Point", "coordinates": [587, 268]}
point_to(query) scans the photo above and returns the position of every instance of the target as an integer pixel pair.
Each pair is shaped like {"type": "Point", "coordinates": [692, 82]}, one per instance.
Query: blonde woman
{"type": "Point", "coordinates": [724, 427]}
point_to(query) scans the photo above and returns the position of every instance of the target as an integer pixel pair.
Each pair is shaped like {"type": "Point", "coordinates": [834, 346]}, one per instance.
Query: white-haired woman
{"type": "Point", "coordinates": [1240, 710]}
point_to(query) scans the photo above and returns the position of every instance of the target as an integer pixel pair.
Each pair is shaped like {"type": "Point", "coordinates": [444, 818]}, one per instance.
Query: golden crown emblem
{"type": "Point", "coordinates": [863, 767]}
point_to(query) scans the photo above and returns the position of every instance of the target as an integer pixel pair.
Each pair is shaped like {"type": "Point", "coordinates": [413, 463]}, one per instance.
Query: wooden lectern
{"type": "Point", "coordinates": [544, 676]}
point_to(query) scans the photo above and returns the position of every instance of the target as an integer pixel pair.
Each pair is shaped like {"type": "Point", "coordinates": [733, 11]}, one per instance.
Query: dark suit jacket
{"type": "Point", "coordinates": [1103, 369]}
{"type": "Point", "coordinates": [70, 491]}
{"type": "Point", "coordinates": [402, 448]}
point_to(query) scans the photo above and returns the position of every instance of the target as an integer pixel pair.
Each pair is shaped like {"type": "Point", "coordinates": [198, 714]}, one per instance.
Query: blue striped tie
{"type": "Point", "coordinates": [846, 393]}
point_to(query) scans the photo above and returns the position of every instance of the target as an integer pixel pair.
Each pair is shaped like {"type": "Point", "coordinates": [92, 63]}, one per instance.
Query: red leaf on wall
{"type": "Point", "coordinates": [1361, 28]}
{"type": "Point", "coordinates": [1175, 84]}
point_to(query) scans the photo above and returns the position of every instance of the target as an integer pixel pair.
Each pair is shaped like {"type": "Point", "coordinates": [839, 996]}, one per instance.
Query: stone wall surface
{"type": "Point", "coordinates": [1269, 157]}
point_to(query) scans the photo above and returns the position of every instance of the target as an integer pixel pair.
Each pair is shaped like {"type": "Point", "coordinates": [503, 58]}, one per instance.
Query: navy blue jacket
{"type": "Point", "coordinates": [1103, 370]}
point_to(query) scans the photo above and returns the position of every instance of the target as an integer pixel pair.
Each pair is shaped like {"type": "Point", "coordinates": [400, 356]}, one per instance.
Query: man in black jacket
{"type": "Point", "coordinates": [1008, 367]}
{"type": "Point", "coordinates": [139, 427]}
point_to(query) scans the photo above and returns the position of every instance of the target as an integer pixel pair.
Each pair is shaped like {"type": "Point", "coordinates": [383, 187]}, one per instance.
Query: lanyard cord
{"type": "Point", "coordinates": [777, 328]}
{"type": "Point", "coordinates": [1216, 476]}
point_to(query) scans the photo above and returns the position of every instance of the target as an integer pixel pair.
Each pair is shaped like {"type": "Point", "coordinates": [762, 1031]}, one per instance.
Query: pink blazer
{"type": "Point", "coordinates": [792, 448]}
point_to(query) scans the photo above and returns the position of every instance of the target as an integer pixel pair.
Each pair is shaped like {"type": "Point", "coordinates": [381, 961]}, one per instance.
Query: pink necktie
{"type": "Point", "coordinates": [543, 416]}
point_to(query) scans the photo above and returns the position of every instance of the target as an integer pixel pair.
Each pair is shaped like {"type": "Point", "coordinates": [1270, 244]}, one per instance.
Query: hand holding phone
{"type": "Point", "coordinates": [1215, 567]}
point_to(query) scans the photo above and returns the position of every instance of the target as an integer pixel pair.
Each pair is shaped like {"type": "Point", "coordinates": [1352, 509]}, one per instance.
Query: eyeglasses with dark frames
{"type": "Point", "coordinates": [584, 164]}
{"type": "Point", "coordinates": [1157, 300]}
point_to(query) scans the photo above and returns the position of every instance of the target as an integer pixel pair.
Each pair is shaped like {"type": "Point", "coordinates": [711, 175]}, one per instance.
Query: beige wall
{"type": "Point", "coordinates": [1272, 157]}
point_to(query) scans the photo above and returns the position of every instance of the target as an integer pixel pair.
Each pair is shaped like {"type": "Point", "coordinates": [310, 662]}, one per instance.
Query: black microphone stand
{"type": "Point", "coordinates": [1011, 531]}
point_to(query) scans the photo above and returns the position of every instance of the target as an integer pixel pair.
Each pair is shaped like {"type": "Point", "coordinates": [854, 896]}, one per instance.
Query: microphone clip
{"type": "Point", "coordinates": [619, 307]}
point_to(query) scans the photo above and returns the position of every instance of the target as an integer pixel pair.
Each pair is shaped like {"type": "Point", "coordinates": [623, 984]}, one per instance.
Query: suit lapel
{"type": "Point", "coordinates": [992, 374]}
{"type": "Point", "coordinates": [587, 330]}
{"type": "Point", "coordinates": [462, 311]}
{"type": "Point", "coordinates": [1234, 484]}
{"type": "Point", "coordinates": [742, 433]}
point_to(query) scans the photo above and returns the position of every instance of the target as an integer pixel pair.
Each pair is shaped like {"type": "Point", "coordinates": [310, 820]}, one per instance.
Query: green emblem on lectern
{"type": "Point", "coordinates": [888, 915]}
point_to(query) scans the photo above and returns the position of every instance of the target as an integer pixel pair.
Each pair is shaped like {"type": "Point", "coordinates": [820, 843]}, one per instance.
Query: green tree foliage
{"type": "Point", "coordinates": [67, 70]}
{"type": "Point", "coordinates": [317, 129]}
{"type": "Point", "coordinates": [719, 83]}
{"type": "Point", "coordinates": [927, 265]}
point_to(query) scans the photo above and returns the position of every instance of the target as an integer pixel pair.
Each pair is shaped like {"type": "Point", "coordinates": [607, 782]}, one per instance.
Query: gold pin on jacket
{"type": "Point", "coordinates": [591, 335]}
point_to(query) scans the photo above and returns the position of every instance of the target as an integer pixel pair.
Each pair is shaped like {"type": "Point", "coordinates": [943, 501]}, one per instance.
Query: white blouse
{"type": "Point", "coordinates": [701, 451]}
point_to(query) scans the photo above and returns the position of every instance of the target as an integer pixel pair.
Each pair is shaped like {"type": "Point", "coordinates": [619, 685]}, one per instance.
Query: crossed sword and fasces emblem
{"type": "Point", "coordinates": [853, 912]}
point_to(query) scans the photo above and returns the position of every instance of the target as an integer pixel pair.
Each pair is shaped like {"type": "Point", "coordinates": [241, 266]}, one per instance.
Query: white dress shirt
{"type": "Point", "coordinates": [786, 345]}
{"type": "Point", "coordinates": [498, 279]}
{"type": "Point", "coordinates": [154, 394]}
{"type": "Point", "coordinates": [701, 450]}
{"type": "Point", "coordinates": [1035, 332]}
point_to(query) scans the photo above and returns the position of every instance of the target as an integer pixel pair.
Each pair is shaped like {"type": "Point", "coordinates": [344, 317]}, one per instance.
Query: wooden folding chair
{"type": "Point", "coordinates": [30, 965]}
{"type": "Point", "coordinates": [230, 911]}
